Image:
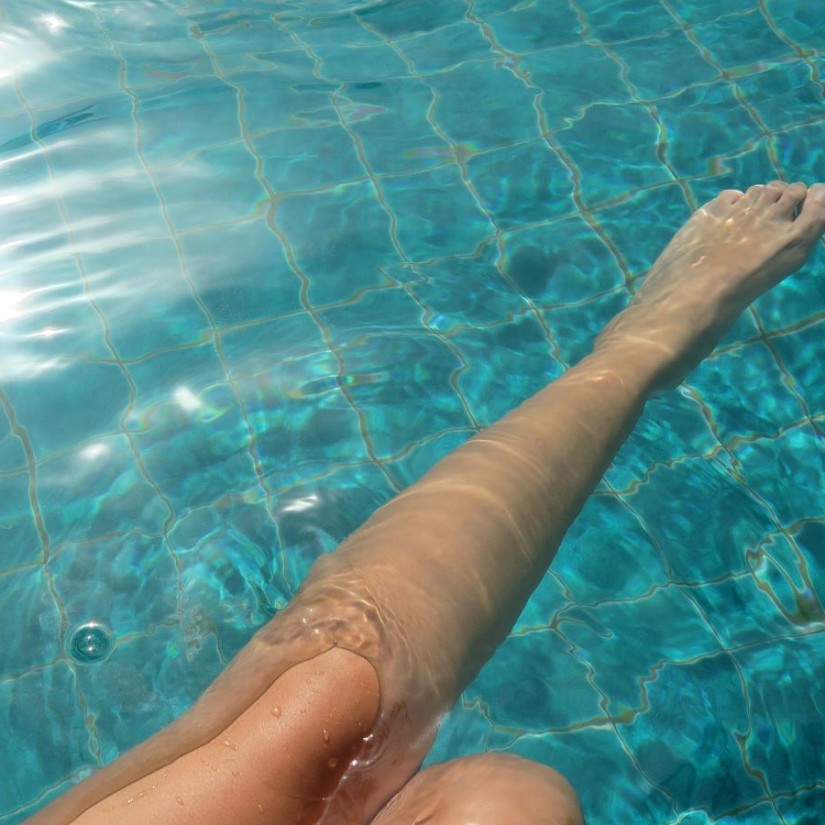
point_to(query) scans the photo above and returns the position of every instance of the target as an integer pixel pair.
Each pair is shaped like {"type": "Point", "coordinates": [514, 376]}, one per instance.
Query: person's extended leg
{"type": "Point", "coordinates": [429, 586]}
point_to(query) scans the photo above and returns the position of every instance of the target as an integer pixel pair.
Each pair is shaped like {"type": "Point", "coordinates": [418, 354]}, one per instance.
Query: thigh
{"type": "Point", "coordinates": [489, 789]}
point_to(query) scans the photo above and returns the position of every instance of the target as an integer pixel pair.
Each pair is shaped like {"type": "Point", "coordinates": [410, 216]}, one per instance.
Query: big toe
{"type": "Point", "coordinates": [811, 218]}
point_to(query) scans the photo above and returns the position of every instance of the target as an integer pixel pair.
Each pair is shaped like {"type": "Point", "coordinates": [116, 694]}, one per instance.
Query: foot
{"type": "Point", "coordinates": [733, 249]}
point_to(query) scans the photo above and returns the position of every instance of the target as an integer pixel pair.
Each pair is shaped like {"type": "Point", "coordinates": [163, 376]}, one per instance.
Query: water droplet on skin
{"type": "Point", "coordinates": [130, 800]}
{"type": "Point", "coordinates": [141, 794]}
{"type": "Point", "coordinates": [332, 763]}
{"type": "Point", "coordinates": [276, 712]}
{"type": "Point", "coordinates": [326, 736]}
{"type": "Point", "coordinates": [261, 808]}
{"type": "Point", "coordinates": [235, 771]}
{"type": "Point", "coordinates": [180, 800]}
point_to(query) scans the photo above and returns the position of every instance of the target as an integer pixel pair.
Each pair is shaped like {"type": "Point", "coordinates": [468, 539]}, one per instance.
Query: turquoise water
{"type": "Point", "coordinates": [262, 263]}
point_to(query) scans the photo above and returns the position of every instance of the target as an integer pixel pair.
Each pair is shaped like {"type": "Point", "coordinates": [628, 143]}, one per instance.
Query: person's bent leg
{"type": "Point", "coordinates": [431, 584]}
{"type": "Point", "coordinates": [489, 789]}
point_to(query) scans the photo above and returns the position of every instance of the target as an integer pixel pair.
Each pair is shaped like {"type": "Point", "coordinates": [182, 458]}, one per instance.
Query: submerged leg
{"type": "Point", "coordinates": [430, 585]}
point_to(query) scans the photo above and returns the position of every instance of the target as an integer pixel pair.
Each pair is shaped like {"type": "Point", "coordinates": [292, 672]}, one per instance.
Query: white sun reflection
{"type": "Point", "coordinates": [94, 452]}
{"type": "Point", "coordinates": [186, 399]}
{"type": "Point", "coordinates": [300, 505]}
{"type": "Point", "coordinates": [10, 305]}
{"type": "Point", "coordinates": [53, 23]}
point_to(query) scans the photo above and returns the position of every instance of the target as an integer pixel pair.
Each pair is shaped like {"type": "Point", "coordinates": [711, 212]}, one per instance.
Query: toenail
{"type": "Point", "coordinates": [817, 192]}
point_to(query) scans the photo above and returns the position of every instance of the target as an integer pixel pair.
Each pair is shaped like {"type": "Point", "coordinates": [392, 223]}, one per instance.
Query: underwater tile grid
{"type": "Point", "coordinates": [263, 263]}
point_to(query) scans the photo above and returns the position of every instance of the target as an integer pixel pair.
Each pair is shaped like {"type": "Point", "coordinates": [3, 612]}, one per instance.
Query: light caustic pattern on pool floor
{"type": "Point", "coordinates": [263, 263]}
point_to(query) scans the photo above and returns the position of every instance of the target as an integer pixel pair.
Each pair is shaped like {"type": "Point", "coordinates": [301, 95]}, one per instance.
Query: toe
{"type": "Point", "coordinates": [776, 189]}
{"type": "Point", "coordinates": [730, 196]}
{"type": "Point", "coordinates": [754, 193]}
{"type": "Point", "coordinates": [791, 197]}
{"type": "Point", "coordinates": [721, 204]}
{"type": "Point", "coordinates": [811, 220]}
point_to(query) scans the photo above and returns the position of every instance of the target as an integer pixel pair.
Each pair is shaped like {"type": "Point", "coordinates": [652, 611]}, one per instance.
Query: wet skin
{"type": "Point", "coordinates": [387, 630]}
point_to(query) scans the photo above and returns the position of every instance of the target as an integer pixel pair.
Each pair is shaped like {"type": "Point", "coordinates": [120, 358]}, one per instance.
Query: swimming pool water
{"type": "Point", "coordinates": [263, 263]}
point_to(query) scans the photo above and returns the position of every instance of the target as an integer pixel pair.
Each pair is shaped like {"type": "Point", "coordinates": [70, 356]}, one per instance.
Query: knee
{"type": "Point", "coordinates": [488, 789]}
{"type": "Point", "coordinates": [522, 792]}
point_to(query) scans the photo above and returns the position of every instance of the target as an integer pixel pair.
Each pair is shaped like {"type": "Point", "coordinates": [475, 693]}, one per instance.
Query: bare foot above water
{"type": "Point", "coordinates": [732, 250]}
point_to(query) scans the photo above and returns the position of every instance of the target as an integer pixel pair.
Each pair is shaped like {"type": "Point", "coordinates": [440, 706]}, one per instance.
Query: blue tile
{"type": "Point", "coordinates": [94, 75]}
{"type": "Point", "coordinates": [748, 393]}
{"type": "Point", "coordinates": [298, 100]}
{"type": "Point", "coordinates": [522, 184]}
{"type": "Point", "coordinates": [678, 63]}
{"type": "Point", "coordinates": [183, 398]}
{"type": "Point", "coordinates": [608, 132]}
{"type": "Point", "coordinates": [626, 643]}
{"type": "Point", "coordinates": [392, 122]}
{"type": "Point", "coordinates": [56, 414]}
{"type": "Point", "coordinates": [446, 47]}
{"type": "Point", "coordinates": [706, 508]}
{"type": "Point", "coordinates": [29, 607]}
{"type": "Point", "coordinates": [232, 572]}
{"type": "Point", "coordinates": [697, 11]}
{"type": "Point", "coordinates": [97, 490]}
{"type": "Point", "coordinates": [563, 262]}
{"type": "Point", "coordinates": [169, 127]}
{"type": "Point", "coordinates": [462, 291]}
{"type": "Point", "coordinates": [717, 122]}
{"type": "Point", "coordinates": [624, 19]}
{"type": "Point", "coordinates": [673, 429]}
{"type": "Point", "coordinates": [799, 352]}
{"type": "Point", "coordinates": [411, 396]}
{"type": "Point", "coordinates": [573, 78]}
{"type": "Point", "coordinates": [399, 314]}
{"type": "Point", "coordinates": [642, 225]}
{"type": "Point", "coordinates": [508, 363]}
{"type": "Point", "coordinates": [187, 187]}
{"type": "Point", "coordinates": [437, 214]}
{"type": "Point", "coordinates": [299, 159]}
{"type": "Point", "coordinates": [146, 302]}
{"type": "Point", "coordinates": [405, 18]}
{"type": "Point", "coordinates": [144, 685]}
{"type": "Point", "coordinates": [741, 40]}
{"type": "Point", "coordinates": [608, 554]}
{"type": "Point", "coordinates": [785, 714]}
{"type": "Point", "coordinates": [803, 808]}
{"type": "Point", "coordinates": [21, 540]}
{"type": "Point", "coordinates": [800, 21]}
{"type": "Point", "coordinates": [801, 94]}
{"type": "Point", "coordinates": [696, 761]}
{"type": "Point", "coordinates": [786, 470]}
{"type": "Point", "coordinates": [50, 739]}
{"type": "Point", "coordinates": [104, 581]}
{"type": "Point", "coordinates": [500, 110]}
{"type": "Point", "coordinates": [241, 272]}
{"type": "Point", "coordinates": [341, 63]}
{"type": "Point", "coordinates": [12, 456]}
{"type": "Point", "coordinates": [357, 242]}
{"type": "Point", "coordinates": [790, 305]}
{"type": "Point", "coordinates": [759, 617]}
{"type": "Point", "coordinates": [519, 687]}
{"type": "Point", "coordinates": [535, 26]}
{"type": "Point", "coordinates": [801, 151]}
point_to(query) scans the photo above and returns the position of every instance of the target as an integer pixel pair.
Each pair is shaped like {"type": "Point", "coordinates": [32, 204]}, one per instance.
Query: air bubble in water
{"type": "Point", "coordinates": [91, 643]}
